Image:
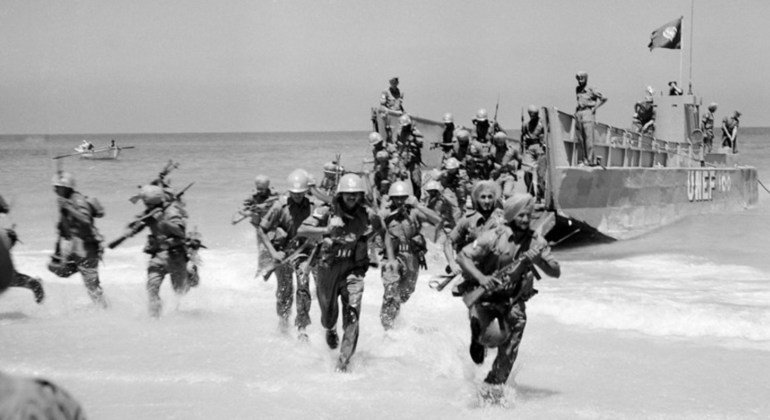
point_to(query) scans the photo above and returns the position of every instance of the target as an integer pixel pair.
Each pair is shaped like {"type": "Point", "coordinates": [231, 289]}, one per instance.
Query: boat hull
{"type": "Point", "coordinates": [109, 154]}
{"type": "Point", "coordinates": [621, 203]}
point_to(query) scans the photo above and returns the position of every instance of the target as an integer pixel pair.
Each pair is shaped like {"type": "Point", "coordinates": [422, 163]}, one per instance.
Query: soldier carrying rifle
{"type": "Point", "coordinates": [287, 214]}
{"type": "Point", "coordinates": [501, 263]}
{"type": "Point", "coordinates": [254, 208]}
{"type": "Point", "coordinates": [168, 244]}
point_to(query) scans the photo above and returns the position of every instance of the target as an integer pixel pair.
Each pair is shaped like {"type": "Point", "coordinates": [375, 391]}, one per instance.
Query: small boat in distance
{"type": "Point", "coordinates": [86, 150]}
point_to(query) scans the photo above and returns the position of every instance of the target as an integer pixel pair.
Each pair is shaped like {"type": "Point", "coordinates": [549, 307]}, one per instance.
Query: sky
{"type": "Point", "coordinates": [143, 66]}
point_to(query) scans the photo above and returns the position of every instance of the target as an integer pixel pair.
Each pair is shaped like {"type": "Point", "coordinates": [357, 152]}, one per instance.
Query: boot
{"type": "Point", "coordinates": [302, 335]}
{"type": "Point", "coordinates": [332, 339]}
{"type": "Point", "coordinates": [36, 285]}
{"type": "Point", "coordinates": [477, 352]}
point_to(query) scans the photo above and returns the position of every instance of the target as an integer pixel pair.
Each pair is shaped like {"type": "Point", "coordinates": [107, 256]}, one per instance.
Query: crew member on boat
{"type": "Point", "coordinates": [730, 131]}
{"type": "Point", "coordinates": [644, 114]}
{"type": "Point", "coordinates": [674, 89]}
{"type": "Point", "coordinates": [707, 127]}
{"type": "Point", "coordinates": [588, 101]}
{"type": "Point", "coordinates": [532, 134]}
{"type": "Point", "coordinates": [392, 98]}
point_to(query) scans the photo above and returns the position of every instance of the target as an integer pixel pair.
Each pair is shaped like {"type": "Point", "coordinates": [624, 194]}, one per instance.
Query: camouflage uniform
{"type": "Point", "coordinates": [491, 251]}
{"type": "Point", "coordinates": [80, 241]}
{"type": "Point", "coordinates": [166, 245]}
{"type": "Point", "coordinates": [409, 144]}
{"type": "Point", "coordinates": [403, 231]}
{"type": "Point", "coordinates": [257, 206]}
{"type": "Point", "coordinates": [288, 216]}
{"type": "Point", "coordinates": [341, 269]}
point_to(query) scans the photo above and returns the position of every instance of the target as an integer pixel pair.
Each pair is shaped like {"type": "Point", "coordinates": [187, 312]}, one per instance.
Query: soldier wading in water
{"type": "Point", "coordinates": [342, 227]}
{"type": "Point", "coordinates": [405, 248]}
{"type": "Point", "coordinates": [498, 318]}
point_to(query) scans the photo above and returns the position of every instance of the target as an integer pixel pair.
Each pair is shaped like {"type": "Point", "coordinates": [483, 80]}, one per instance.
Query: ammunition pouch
{"type": "Point", "coordinates": [61, 266]}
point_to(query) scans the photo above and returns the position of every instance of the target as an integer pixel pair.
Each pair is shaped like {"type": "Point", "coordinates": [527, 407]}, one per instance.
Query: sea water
{"type": "Point", "coordinates": [217, 352]}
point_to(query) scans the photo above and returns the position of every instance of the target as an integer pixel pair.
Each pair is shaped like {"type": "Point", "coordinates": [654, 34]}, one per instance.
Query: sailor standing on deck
{"type": "Point", "coordinates": [342, 227]}
{"type": "Point", "coordinates": [288, 214]}
{"type": "Point", "coordinates": [498, 318]}
{"type": "Point", "coordinates": [392, 98]}
{"type": "Point", "coordinates": [707, 127]}
{"type": "Point", "coordinates": [730, 131]}
{"type": "Point", "coordinates": [79, 245]}
{"type": "Point", "coordinates": [588, 101]}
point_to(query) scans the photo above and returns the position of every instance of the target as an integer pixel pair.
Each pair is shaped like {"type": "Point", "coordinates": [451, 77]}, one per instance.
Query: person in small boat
{"type": "Point", "coordinates": [674, 89]}
{"type": "Point", "coordinates": [588, 101]}
{"type": "Point", "coordinates": [730, 131]}
{"type": "Point", "coordinates": [113, 145]}
{"type": "Point", "coordinates": [707, 127]}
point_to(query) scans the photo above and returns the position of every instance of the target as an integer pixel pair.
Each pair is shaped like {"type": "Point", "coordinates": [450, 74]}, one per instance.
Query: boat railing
{"type": "Point", "coordinates": [620, 147]}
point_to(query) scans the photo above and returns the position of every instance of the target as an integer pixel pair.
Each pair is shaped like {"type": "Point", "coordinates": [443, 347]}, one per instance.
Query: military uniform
{"type": "Point", "coordinates": [166, 245]}
{"type": "Point", "coordinates": [454, 187]}
{"type": "Point", "coordinates": [8, 238]}
{"type": "Point", "coordinates": [505, 305]}
{"type": "Point", "coordinates": [587, 99]}
{"type": "Point", "coordinates": [80, 242]}
{"type": "Point", "coordinates": [644, 112]}
{"type": "Point", "coordinates": [728, 125]}
{"type": "Point", "coordinates": [410, 150]}
{"type": "Point", "coordinates": [707, 126]}
{"type": "Point", "coordinates": [341, 269]}
{"type": "Point", "coordinates": [506, 160]}
{"type": "Point", "coordinates": [288, 216]}
{"type": "Point", "coordinates": [256, 207]}
{"type": "Point", "coordinates": [403, 231]}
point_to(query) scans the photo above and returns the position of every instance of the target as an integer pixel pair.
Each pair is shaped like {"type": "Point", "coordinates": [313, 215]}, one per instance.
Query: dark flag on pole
{"type": "Point", "coordinates": [667, 36]}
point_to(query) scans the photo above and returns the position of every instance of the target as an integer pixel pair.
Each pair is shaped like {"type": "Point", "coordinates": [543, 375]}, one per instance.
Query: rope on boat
{"type": "Point", "coordinates": [763, 185]}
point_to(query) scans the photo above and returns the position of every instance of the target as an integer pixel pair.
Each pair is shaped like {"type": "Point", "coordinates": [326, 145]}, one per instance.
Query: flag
{"type": "Point", "coordinates": [667, 36]}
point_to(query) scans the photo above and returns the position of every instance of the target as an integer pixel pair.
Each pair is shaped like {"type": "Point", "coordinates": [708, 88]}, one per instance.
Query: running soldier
{"type": "Point", "coordinates": [254, 208]}
{"type": "Point", "coordinates": [507, 161]}
{"type": "Point", "coordinates": [409, 145]}
{"type": "Point", "coordinates": [405, 248]}
{"type": "Point", "coordinates": [498, 317]}
{"type": "Point", "coordinates": [342, 228]}
{"type": "Point", "coordinates": [445, 207]}
{"type": "Point", "coordinates": [167, 245]}
{"type": "Point", "coordinates": [10, 238]}
{"type": "Point", "coordinates": [79, 246]}
{"type": "Point", "coordinates": [484, 216]}
{"type": "Point", "coordinates": [288, 214]}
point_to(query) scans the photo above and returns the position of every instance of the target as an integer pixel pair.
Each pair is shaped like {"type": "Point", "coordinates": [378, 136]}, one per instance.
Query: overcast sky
{"type": "Point", "coordinates": [137, 66]}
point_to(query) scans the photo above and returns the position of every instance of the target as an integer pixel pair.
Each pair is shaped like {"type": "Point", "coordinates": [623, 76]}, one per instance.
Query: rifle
{"type": "Point", "coordinates": [290, 259]}
{"type": "Point", "coordinates": [443, 281]}
{"type": "Point", "coordinates": [137, 225]}
{"type": "Point", "coordinates": [506, 274]}
{"type": "Point", "coordinates": [250, 211]}
{"type": "Point", "coordinates": [160, 180]}
{"type": "Point", "coordinates": [497, 107]}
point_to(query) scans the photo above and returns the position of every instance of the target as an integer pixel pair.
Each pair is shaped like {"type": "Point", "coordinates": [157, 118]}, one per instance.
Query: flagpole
{"type": "Point", "coordinates": [692, 23]}
{"type": "Point", "coordinates": [681, 55]}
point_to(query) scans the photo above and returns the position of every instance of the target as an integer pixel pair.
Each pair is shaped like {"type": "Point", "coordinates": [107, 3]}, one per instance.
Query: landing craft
{"type": "Point", "coordinates": [643, 182]}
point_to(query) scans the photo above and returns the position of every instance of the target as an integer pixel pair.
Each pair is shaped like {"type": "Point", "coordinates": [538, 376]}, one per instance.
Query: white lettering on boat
{"type": "Point", "coordinates": [702, 182]}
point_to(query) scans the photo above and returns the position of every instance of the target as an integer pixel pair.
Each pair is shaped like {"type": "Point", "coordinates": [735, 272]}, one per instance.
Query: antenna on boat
{"type": "Point", "coordinates": [692, 22]}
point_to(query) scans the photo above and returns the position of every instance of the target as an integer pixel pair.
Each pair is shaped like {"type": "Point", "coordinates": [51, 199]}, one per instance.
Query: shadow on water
{"type": "Point", "coordinates": [530, 393]}
{"type": "Point", "coordinates": [13, 316]}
